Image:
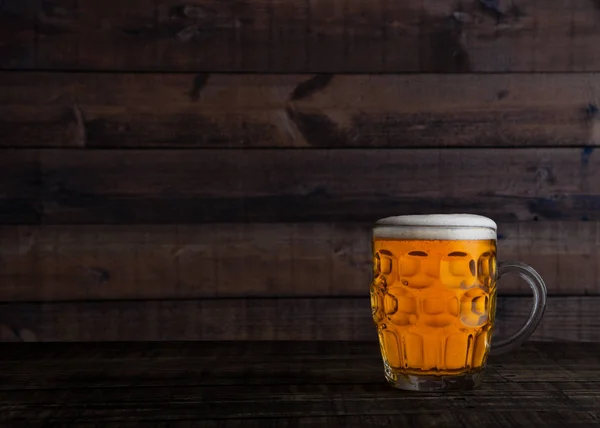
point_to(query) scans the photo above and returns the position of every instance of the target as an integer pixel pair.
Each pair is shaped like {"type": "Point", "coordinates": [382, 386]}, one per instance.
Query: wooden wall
{"type": "Point", "coordinates": [209, 169]}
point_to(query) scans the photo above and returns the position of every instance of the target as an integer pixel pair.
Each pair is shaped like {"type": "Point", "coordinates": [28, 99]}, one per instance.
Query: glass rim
{"type": "Point", "coordinates": [436, 227]}
{"type": "Point", "coordinates": [458, 220]}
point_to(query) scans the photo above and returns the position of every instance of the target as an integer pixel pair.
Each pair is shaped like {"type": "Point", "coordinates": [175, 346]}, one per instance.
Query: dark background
{"type": "Point", "coordinates": [209, 169]}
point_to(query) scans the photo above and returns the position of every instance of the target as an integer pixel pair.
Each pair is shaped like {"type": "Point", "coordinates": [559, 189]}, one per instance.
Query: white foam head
{"type": "Point", "coordinates": [443, 227]}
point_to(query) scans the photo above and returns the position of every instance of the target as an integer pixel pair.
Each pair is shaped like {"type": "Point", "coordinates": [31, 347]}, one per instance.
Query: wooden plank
{"type": "Point", "coordinates": [19, 187]}
{"type": "Point", "coordinates": [219, 402]}
{"type": "Point", "coordinates": [179, 186]}
{"type": "Point", "coordinates": [32, 366]}
{"type": "Point", "coordinates": [61, 263]}
{"type": "Point", "coordinates": [108, 110]}
{"type": "Point", "coordinates": [178, 415]}
{"type": "Point", "coordinates": [314, 36]}
{"type": "Point", "coordinates": [309, 381]}
{"type": "Point", "coordinates": [36, 355]}
{"type": "Point", "coordinates": [467, 418]}
{"type": "Point", "coordinates": [240, 402]}
{"type": "Point", "coordinates": [17, 33]}
{"type": "Point", "coordinates": [566, 318]}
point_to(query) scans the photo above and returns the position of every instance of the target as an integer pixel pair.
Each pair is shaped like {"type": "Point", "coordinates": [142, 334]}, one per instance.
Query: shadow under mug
{"type": "Point", "coordinates": [433, 299]}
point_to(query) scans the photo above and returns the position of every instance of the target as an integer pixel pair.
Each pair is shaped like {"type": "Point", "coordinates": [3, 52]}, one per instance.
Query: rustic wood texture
{"type": "Point", "coordinates": [19, 180]}
{"type": "Point", "coordinates": [106, 110]}
{"type": "Point", "coordinates": [312, 36]}
{"type": "Point", "coordinates": [566, 318]}
{"type": "Point", "coordinates": [62, 263]}
{"type": "Point", "coordinates": [179, 186]}
{"type": "Point", "coordinates": [456, 418]}
{"type": "Point", "coordinates": [283, 384]}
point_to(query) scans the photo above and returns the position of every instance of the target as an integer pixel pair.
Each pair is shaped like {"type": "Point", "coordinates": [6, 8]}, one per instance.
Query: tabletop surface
{"type": "Point", "coordinates": [263, 384]}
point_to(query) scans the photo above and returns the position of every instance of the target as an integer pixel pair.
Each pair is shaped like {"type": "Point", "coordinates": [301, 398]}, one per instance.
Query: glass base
{"type": "Point", "coordinates": [432, 383]}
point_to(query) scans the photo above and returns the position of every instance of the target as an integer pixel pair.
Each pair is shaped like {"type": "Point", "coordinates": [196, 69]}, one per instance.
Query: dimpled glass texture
{"type": "Point", "coordinates": [433, 303]}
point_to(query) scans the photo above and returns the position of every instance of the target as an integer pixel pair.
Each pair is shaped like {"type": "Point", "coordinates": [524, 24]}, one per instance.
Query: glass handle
{"type": "Point", "coordinates": [538, 287]}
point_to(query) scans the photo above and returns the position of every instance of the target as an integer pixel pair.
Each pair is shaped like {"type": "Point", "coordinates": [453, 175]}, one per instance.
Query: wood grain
{"type": "Point", "coordinates": [550, 419]}
{"type": "Point", "coordinates": [62, 263]}
{"type": "Point", "coordinates": [108, 110]}
{"type": "Point", "coordinates": [31, 366]}
{"type": "Point", "coordinates": [197, 403]}
{"type": "Point", "coordinates": [179, 186]}
{"type": "Point", "coordinates": [20, 179]}
{"type": "Point", "coordinates": [467, 418]}
{"type": "Point", "coordinates": [311, 383]}
{"type": "Point", "coordinates": [566, 318]}
{"type": "Point", "coordinates": [312, 36]}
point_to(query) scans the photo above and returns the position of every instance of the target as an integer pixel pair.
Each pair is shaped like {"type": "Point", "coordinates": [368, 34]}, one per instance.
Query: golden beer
{"type": "Point", "coordinates": [433, 298]}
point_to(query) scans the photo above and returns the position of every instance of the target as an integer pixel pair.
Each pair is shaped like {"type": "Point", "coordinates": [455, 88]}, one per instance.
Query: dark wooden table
{"type": "Point", "coordinates": [263, 384]}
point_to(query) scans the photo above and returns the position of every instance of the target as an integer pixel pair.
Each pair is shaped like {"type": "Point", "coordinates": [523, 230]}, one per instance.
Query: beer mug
{"type": "Point", "coordinates": [433, 299]}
